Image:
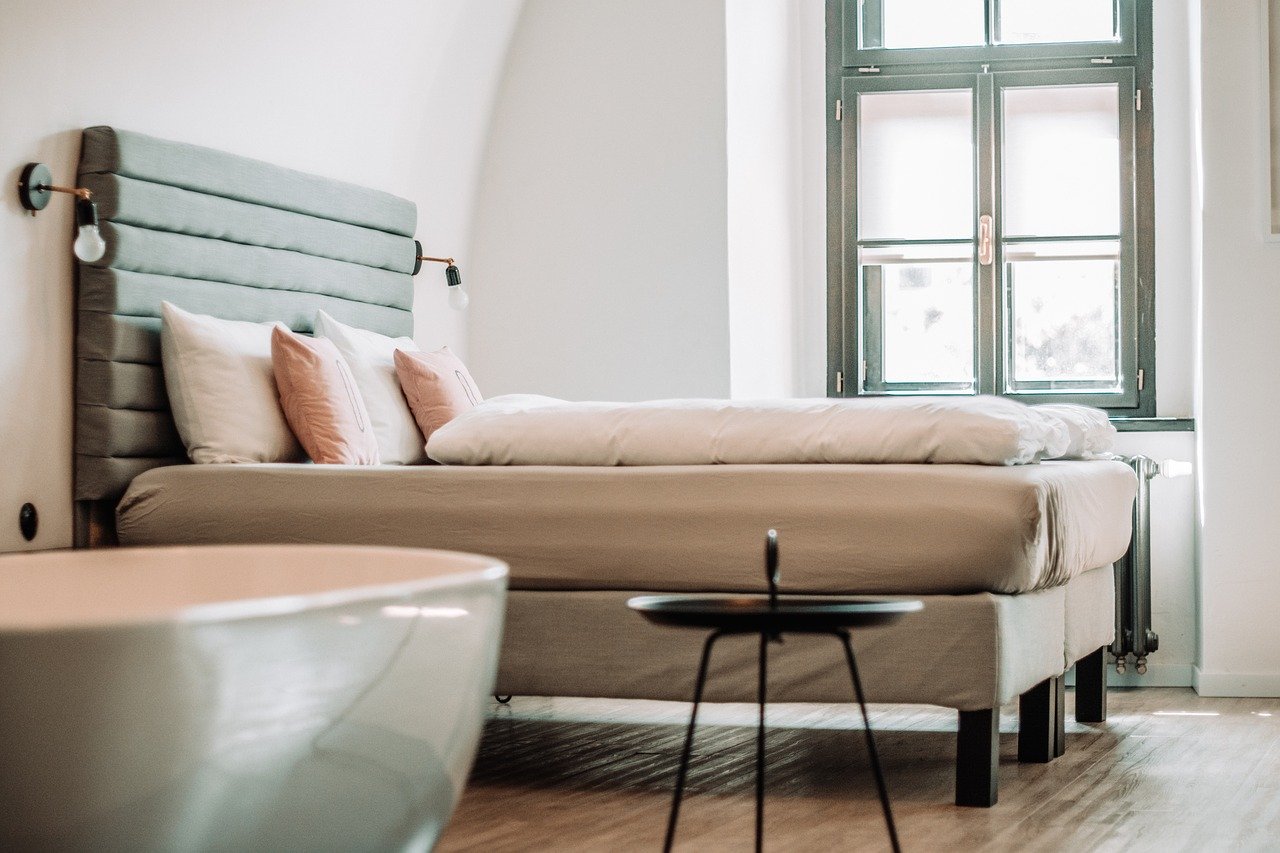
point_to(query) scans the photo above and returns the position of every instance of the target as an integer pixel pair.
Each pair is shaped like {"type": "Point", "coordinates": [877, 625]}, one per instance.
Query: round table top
{"type": "Point", "coordinates": [794, 614]}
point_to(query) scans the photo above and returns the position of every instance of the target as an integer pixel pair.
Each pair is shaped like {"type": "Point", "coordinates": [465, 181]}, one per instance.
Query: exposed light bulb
{"type": "Point", "coordinates": [89, 245]}
{"type": "Point", "coordinates": [458, 298]}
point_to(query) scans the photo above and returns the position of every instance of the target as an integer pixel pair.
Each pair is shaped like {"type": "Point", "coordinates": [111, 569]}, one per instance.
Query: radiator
{"type": "Point", "coordinates": [1135, 637]}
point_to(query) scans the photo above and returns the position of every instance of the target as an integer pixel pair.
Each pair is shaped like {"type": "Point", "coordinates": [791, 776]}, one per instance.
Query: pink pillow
{"type": "Point", "coordinates": [437, 386]}
{"type": "Point", "coordinates": [320, 400]}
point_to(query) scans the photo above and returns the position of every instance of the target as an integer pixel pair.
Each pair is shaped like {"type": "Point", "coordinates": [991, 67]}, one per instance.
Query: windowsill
{"type": "Point", "coordinates": [1154, 424]}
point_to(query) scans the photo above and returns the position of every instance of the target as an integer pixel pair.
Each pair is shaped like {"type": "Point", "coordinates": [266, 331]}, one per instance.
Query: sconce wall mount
{"type": "Point", "coordinates": [458, 298]}
{"type": "Point", "coordinates": [36, 188]}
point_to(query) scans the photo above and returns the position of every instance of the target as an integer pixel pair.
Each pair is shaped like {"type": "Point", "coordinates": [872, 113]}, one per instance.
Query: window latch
{"type": "Point", "coordinates": [986, 246]}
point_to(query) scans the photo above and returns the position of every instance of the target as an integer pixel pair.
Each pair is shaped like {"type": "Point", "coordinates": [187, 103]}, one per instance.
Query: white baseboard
{"type": "Point", "coordinates": [1157, 675]}
{"type": "Point", "coordinates": [1259, 684]}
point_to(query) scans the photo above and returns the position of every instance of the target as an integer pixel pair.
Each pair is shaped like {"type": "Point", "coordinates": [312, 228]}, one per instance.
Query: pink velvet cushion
{"type": "Point", "coordinates": [437, 386]}
{"type": "Point", "coordinates": [320, 400]}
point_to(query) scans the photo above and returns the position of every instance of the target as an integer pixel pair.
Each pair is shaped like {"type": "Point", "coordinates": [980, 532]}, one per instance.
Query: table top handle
{"type": "Point", "coordinates": [771, 565]}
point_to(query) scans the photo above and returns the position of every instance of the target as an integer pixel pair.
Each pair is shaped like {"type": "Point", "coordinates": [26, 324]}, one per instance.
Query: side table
{"type": "Point", "coordinates": [771, 617]}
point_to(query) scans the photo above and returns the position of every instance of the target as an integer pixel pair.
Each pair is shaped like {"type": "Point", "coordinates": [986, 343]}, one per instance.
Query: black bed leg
{"type": "Point", "coordinates": [1060, 717]}
{"type": "Point", "coordinates": [1091, 687]}
{"type": "Point", "coordinates": [1042, 722]}
{"type": "Point", "coordinates": [978, 758]}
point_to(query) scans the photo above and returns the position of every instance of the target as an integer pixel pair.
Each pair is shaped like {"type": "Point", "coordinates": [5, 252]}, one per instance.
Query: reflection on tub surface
{"type": "Point", "coordinates": [346, 725]}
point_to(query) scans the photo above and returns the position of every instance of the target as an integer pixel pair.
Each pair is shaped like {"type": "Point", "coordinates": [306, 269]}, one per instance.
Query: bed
{"type": "Point", "coordinates": [1013, 563]}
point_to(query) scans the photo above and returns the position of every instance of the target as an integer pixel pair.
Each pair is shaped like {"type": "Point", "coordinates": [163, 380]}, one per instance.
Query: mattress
{"type": "Point", "coordinates": [913, 529]}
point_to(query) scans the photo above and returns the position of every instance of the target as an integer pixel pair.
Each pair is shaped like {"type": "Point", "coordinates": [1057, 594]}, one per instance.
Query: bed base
{"type": "Point", "coordinates": [969, 652]}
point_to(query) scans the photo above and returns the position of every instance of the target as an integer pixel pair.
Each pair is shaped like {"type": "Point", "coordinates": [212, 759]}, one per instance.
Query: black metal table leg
{"type": "Point", "coordinates": [762, 699]}
{"type": "Point", "coordinates": [688, 741]}
{"type": "Point", "coordinates": [871, 741]}
{"type": "Point", "coordinates": [764, 680]}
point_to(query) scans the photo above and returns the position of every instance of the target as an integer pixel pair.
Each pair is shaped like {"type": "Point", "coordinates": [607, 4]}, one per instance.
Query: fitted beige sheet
{"type": "Point", "coordinates": [911, 529]}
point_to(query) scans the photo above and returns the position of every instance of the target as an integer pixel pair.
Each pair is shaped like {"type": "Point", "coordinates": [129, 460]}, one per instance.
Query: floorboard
{"type": "Point", "coordinates": [1168, 771]}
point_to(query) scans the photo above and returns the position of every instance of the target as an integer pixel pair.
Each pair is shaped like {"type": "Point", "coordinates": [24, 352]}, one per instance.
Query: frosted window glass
{"type": "Point", "coordinates": [1038, 21]}
{"type": "Point", "coordinates": [928, 322]}
{"type": "Point", "coordinates": [915, 167]}
{"type": "Point", "coordinates": [932, 23]}
{"type": "Point", "coordinates": [1064, 321]}
{"type": "Point", "coordinates": [1062, 160]}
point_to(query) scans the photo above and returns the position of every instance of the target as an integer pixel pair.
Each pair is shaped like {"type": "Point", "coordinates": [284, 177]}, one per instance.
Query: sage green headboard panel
{"type": "Point", "coordinates": [216, 234]}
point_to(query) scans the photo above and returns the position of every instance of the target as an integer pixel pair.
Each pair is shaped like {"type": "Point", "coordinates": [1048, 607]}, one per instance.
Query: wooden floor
{"type": "Point", "coordinates": [1168, 771]}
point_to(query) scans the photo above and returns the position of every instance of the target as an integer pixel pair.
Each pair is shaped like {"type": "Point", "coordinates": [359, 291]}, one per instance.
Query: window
{"type": "Point", "coordinates": [990, 195]}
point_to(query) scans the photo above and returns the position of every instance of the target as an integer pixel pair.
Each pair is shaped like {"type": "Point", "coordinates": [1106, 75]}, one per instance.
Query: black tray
{"type": "Point", "coordinates": [749, 613]}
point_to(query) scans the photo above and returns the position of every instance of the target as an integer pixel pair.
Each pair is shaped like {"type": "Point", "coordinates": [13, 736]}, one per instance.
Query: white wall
{"type": "Point", "coordinates": [811, 339]}
{"type": "Point", "coordinates": [1238, 403]}
{"type": "Point", "coordinates": [393, 95]}
{"type": "Point", "coordinates": [705, 274]}
{"type": "Point", "coordinates": [1175, 162]}
{"type": "Point", "coordinates": [762, 142]}
{"type": "Point", "coordinates": [600, 264]}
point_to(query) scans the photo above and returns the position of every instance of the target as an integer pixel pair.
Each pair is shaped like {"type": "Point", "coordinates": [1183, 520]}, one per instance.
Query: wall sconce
{"type": "Point", "coordinates": [458, 298]}
{"type": "Point", "coordinates": [36, 187]}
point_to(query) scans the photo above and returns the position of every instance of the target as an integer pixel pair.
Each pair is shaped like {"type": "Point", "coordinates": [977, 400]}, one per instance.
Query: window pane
{"type": "Point", "coordinates": [1064, 322]}
{"type": "Point", "coordinates": [1062, 160]}
{"type": "Point", "coordinates": [928, 322]}
{"type": "Point", "coordinates": [915, 165]}
{"type": "Point", "coordinates": [925, 23]}
{"type": "Point", "coordinates": [1034, 21]}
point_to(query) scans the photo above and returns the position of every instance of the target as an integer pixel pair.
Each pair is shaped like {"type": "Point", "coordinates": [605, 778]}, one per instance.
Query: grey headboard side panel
{"type": "Point", "coordinates": [218, 234]}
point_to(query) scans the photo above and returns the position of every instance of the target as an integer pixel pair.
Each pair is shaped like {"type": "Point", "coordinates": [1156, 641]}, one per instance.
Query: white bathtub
{"type": "Point", "coordinates": [241, 698]}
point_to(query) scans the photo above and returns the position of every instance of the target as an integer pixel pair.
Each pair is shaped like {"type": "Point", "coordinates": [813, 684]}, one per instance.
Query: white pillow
{"type": "Point", "coordinates": [222, 389]}
{"type": "Point", "coordinates": [1090, 430]}
{"type": "Point", "coordinates": [371, 357]}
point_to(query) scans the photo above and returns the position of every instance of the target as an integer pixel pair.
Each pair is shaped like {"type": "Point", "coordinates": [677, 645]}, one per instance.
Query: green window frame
{"type": "Point", "coordinates": [855, 291]}
{"type": "Point", "coordinates": [862, 33]}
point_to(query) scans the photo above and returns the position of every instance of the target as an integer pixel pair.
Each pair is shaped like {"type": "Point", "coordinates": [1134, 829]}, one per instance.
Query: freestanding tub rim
{"type": "Point", "coordinates": [440, 569]}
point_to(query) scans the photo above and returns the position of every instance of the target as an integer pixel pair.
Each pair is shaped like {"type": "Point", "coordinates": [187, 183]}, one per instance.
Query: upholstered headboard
{"type": "Point", "coordinates": [217, 234]}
